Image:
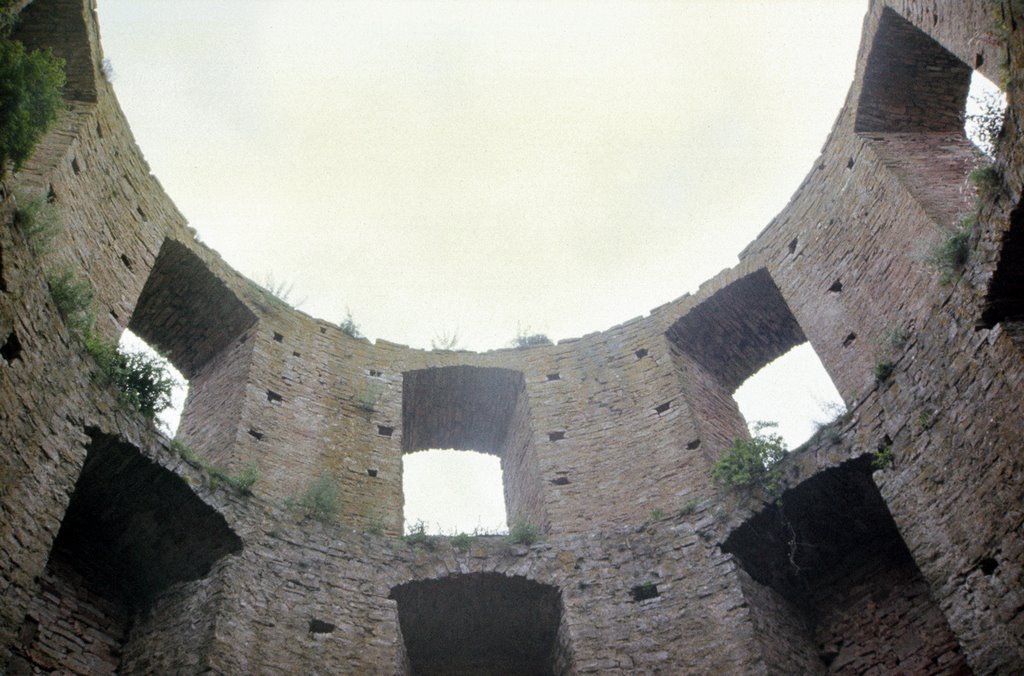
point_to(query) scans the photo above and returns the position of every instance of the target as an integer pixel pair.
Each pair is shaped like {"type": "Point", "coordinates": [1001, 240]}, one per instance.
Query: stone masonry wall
{"type": "Point", "coordinates": [953, 492]}
{"type": "Point", "coordinates": [607, 443]}
{"type": "Point", "coordinates": [69, 627]}
{"type": "Point", "coordinates": [880, 616]}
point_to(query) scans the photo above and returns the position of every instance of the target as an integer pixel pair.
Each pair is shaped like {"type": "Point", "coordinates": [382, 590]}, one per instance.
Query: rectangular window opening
{"type": "Point", "coordinates": [984, 113]}
{"type": "Point", "coordinates": [793, 391]}
{"type": "Point", "coordinates": [168, 419]}
{"type": "Point", "coordinates": [449, 492]}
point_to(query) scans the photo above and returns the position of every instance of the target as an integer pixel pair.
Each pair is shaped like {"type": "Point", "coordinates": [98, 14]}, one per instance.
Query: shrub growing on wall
{"type": "Point", "coordinates": [752, 462]}
{"type": "Point", "coordinates": [143, 381]}
{"type": "Point", "coordinates": [39, 219]}
{"type": "Point", "coordinates": [30, 98]}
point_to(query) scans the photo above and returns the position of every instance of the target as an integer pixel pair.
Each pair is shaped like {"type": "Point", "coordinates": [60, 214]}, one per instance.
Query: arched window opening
{"type": "Point", "coordinates": [794, 391]}
{"type": "Point", "coordinates": [449, 492]}
{"type": "Point", "coordinates": [984, 113]}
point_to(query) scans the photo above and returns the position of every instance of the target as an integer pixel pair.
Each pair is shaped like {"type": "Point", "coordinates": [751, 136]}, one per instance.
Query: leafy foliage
{"type": "Point", "coordinates": [896, 338]}
{"type": "Point", "coordinates": [417, 534]}
{"type": "Point", "coordinates": [523, 533]}
{"type": "Point", "coordinates": [883, 370]}
{"type": "Point", "coordinates": [73, 298]}
{"type": "Point", "coordinates": [39, 220]}
{"type": "Point", "coordinates": [143, 380]}
{"type": "Point", "coordinates": [883, 458]}
{"type": "Point", "coordinates": [186, 452]}
{"type": "Point", "coordinates": [689, 507]}
{"type": "Point", "coordinates": [830, 429]}
{"type": "Point", "coordinates": [280, 291]}
{"type": "Point", "coordinates": [445, 341]}
{"type": "Point", "coordinates": [462, 541]}
{"type": "Point", "coordinates": [241, 482]}
{"type": "Point", "coordinates": [322, 499]}
{"type": "Point", "coordinates": [30, 98]}
{"type": "Point", "coordinates": [374, 524]}
{"type": "Point", "coordinates": [244, 480]}
{"type": "Point", "coordinates": [752, 462]}
{"type": "Point", "coordinates": [7, 17]}
{"type": "Point", "coordinates": [951, 254]}
{"type": "Point", "coordinates": [986, 180]}
{"type": "Point", "coordinates": [525, 339]}
{"type": "Point", "coordinates": [349, 326]}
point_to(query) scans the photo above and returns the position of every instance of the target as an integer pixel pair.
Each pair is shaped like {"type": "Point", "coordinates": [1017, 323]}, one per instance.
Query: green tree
{"type": "Point", "coordinates": [30, 98]}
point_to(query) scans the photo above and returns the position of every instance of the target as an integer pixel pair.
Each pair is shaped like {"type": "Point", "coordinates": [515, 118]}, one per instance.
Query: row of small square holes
{"type": "Point", "coordinates": [640, 354]}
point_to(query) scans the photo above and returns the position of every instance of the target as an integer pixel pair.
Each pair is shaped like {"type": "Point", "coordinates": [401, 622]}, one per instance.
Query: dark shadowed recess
{"type": "Point", "coordinates": [460, 407]}
{"type": "Point", "coordinates": [1005, 300]}
{"type": "Point", "coordinates": [911, 83]}
{"type": "Point", "coordinates": [855, 595]}
{"type": "Point", "coordinates": [480, 623]}
{"type": "Point", "coordinates": [741, 328]}
{"type": "Point", "coordinates": [134, 528]}
{"type": "Point", "coordinates": [804, 537]}
{"type": "Point", "coordinates": [186, 312]}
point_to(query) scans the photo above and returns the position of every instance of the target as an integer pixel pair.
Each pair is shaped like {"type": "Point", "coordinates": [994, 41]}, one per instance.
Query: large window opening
{"type": "Point", "coordinates": [168, 419]}
{"type": "Point", "coordinates": [468, 454]}
{"type": "Point", "coordinates": [912, 113]}
{"type": "Point", "coordinates": [192, 317]}
{"type": "Point", "coordinates": [745, 342]}
{"type": "Point", "coordinates": [449, 492]}
{"type": "Point", "coordinates": [132, 529]}
{"type": "Point", "coordinates": [794, 391]}
{"type": "Point", "coordinates": [482, 623]}
{"type": "Point", "coordinates": [835, 581]}
{"type": "Point", "coordinates": [984, 113]}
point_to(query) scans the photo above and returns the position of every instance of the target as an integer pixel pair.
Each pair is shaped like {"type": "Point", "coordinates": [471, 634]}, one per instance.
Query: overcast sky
{"type": "Point", "coordinates": [483, 167]}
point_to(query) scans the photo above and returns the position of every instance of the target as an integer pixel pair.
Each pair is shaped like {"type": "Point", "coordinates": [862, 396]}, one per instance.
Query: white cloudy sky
{"type": "Point", "coordinates": [484, 167]}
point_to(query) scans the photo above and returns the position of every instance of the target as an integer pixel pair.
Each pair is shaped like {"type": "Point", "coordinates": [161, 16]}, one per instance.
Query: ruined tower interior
{"type": "Point", "coordinates": [125, 552]}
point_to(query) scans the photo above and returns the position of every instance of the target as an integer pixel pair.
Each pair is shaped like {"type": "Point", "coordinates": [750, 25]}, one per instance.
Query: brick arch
{"type": "Point", "coordinates": [728, 336]}
{"type": "Point", "coordinates": [186, 311]}
{"type": "Point", "coordinates": [739, 329]}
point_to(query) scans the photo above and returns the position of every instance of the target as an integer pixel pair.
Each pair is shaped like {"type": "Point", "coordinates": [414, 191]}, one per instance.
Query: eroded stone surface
{"type": "Point", "coordinates": [607, 440]}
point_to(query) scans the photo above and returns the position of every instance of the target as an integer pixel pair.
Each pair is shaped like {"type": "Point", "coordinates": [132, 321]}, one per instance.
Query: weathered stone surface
{"type": "Point", "coordinates": [915, 567]}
